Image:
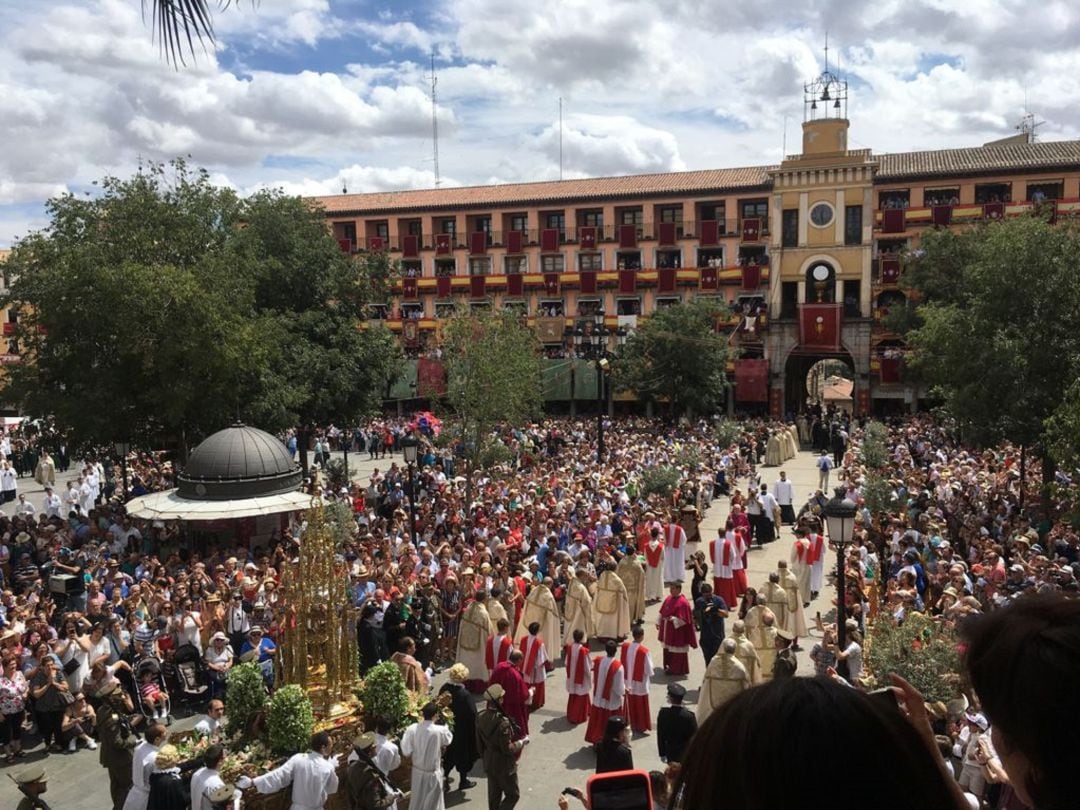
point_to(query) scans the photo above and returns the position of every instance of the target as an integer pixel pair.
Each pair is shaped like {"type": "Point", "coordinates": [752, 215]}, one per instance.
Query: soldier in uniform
{"type": "Point", "coordinates": [31, 783]}
{"type": "Point", "coordinates": [117, 741]}
{"type": "Point", "coordinates": [675, 725]}
{"type": "Point", "coordinates": [495, 735]}
{"type": "Point", "coordinates": [365, 786]}
{"type": "Point", "coordinates": [425, 622]}
{"type": "Point", "coordinates": [785, 664]}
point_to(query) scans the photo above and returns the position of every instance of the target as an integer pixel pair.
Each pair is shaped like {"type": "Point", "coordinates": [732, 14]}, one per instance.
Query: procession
{"type": "Point", "coordinates": [562, 609]}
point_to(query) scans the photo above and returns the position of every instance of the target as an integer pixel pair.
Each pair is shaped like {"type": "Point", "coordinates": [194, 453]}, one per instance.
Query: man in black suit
{"type": "Point", "coordinates": [675, 725]}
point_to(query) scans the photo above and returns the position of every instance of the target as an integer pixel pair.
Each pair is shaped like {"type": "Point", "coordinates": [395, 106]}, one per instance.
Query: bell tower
{"type": "Point", "coordinates": [825, 121]}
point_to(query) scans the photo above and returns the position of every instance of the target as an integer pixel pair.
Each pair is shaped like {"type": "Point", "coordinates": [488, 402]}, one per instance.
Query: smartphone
{"type": "Point", "coordinates": [619, 790]}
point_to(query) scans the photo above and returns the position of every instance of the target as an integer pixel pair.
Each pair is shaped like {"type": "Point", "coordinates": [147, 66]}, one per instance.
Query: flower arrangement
{"type": "Point", "coordinates": [382, 693]}
{"type": "Point", "coordinates": [289, 720]}
{"type": "Point", "coordinates": [245, 697]}
{"type": "Point", "coordinates": [920, 650]}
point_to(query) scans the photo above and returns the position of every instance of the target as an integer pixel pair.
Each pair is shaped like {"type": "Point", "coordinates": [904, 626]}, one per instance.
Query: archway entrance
{"type": "Point", "coordinates": [813, 381]}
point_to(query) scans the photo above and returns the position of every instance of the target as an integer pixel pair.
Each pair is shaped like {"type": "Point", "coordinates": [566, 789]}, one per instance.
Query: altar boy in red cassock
{"type": "Point", "coordinates": [499, 645]}
{"type": "Point", "coordinates": [578, 679]}
{"type": "Point", "coordinates": [534, 664]}
{"type": "Point", "coordinates": [609, 691]}
{"type": "Point", "coordinates": [677, 631]}
{"type": "Point", "coordinates": [638, 666]}
{"type": "Point", "coordinates": [724, 551]}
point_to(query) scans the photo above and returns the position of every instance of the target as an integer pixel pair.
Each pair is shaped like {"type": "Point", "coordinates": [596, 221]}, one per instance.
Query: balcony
{"type": "Point", "coordinates": [899, 220]}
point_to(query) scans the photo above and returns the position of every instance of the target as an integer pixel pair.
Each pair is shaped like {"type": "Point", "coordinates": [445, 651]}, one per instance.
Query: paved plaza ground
{"type": "Point", "coordinates": [558, 756]}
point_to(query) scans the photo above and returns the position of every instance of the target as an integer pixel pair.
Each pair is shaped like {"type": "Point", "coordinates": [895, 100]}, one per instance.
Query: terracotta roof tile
{"type": "Point", "coordinates": [528, 194]}
{"type": "Point", "coordinates": [1009, 157]}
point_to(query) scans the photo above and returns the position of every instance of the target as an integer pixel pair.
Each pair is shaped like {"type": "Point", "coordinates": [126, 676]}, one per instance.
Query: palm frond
{"type": "Point", "coordinates": [179, 24]}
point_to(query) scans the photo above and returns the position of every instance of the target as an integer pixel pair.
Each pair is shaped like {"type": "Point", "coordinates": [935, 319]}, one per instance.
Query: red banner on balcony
{"type": "Point", "coordinates": [667, 233]}
{"type": "Point", "coordinates": [477, 286]}
{"type": "Point", "coordinates": [514, 241]}
{"type": "Point", "coordinates": [408, 287]}
{"type": "Point", "coordinates": [708, 278]}
{"type": "Point", "coordinates": [665, 277]}
{"type": "Point", "coordinates": [375, 243]}
{"type": "Point", "coordinates": [442, 286]}
{"type": "Point", "coordinates": [588, 281]}
{"type": "Point", "coordinates": [627, 281]}
{"type": "Point", "coordinates": [994, 210]}
{"type": "Point", "coordinates": [430, 378]}
{"type": "Point", "coordinates": [587, 237]}
{"type": "Point", "coordinates": [514, 284]}
{"type": "Point", "coordinates": [890, 271]}
{"type": "Point", "coordinates": [478, 242]}
{"type": "Point", "coordinates": [345, 245]}
{"type": "Point", "coordinates": [751, 229]}
{"type": "Point", "coordinates": [9, 328]}
{"type": "Point", "coordinates": [752, 380]}
{"type": "Point", "coordinates": [410, 246]}
{"type": "Point", "coordinates": [551, 283]}
{"type": "Point", "coordinates": [893, 220]}
{"type": "Point", "coordinates": [819, 326]}
{"type": "Point", "coordinates": [628, 236]}
{"type": "Point", "coordinates": [549, 240]}
{"type": "Point", "coordinates": [890, 369]}
{"type": "Point", "coordinates": [709, 232]}
{"type": "Point", "coordinates": [442, 244]}
{"type": "Point", "coordinates": [751, 276]}
{"type": "Point", "coordinates": [941, 215]}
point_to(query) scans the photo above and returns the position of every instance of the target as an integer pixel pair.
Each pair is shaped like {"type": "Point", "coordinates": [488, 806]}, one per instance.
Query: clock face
{"type": "Point", "coordinates": [821, 215]}
{"type": "Point", "coordinates": [820, 273]}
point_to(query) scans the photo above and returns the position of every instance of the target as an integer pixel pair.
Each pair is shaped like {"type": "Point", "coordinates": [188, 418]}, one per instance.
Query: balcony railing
{"type": "Point", "coordinates": [898, 220]}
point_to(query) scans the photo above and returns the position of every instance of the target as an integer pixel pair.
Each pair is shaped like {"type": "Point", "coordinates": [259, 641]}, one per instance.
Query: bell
{"type": "Point", "coordinates": [813, 105]}
{"type": "Point", "coordinates": [825, 94]}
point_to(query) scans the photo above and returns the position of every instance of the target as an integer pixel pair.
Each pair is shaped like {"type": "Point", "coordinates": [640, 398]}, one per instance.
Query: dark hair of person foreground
{"type": "Point", "coordinates": [1024, 664]}
{"type": "Point", "coordinates": [809, 743]}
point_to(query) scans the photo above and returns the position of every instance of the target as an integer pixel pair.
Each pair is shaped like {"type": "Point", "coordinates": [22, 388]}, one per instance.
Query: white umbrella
{"type": "Point", "coordinates": [170, 506]}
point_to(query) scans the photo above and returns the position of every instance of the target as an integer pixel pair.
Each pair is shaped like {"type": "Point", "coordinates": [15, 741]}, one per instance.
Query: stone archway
{"type": "Point", "coordinates": [816, 378]}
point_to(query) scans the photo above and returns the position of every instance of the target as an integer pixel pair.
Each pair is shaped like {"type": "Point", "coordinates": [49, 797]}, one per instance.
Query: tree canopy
{"type": "Point", "coordinates": [994, 327]}
{"type": "Point", "coordinates": [166, 307]}
{"type": "Point", "coordinates": [677, 354]}
{"type": "Point", "coordinates": [493, 373]}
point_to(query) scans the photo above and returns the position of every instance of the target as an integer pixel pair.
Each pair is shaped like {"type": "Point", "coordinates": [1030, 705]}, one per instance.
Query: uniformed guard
{"type": "Point", "coordinates": [31, 783]}
{"type": "Point", "coordinates": [365, 786]}
{"type": "Point", "coordinates": [675, 725]}
{"type": "Point", "coordinates": [495, 735]}
{"type": "Point", "coordinates": [785, 664]}
{"type": "Point", "coordinates": [117, 741]}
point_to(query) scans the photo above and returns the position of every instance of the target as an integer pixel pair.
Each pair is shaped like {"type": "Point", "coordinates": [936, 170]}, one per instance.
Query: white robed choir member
{"type": "Point", "coordinates": [425, 743]}
{"type": "Point", "coordinates": [674, 553]}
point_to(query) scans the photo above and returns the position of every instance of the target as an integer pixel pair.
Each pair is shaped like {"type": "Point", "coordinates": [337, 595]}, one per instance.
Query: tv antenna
{"type": "Point", "coordinates": [434, 122]}
{"type": "Point", "coordinates": [1029, 127]}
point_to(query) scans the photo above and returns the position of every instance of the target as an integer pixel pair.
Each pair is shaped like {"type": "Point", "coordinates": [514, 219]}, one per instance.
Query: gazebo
{"type": "Point", "coordinates": [237, 472]}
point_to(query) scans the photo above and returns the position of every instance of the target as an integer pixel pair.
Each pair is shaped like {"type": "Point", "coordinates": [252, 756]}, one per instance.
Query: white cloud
{"type": "Point", "coordinates": [608, 145]}
{"type": "Point", "coordinates": [359, 179]}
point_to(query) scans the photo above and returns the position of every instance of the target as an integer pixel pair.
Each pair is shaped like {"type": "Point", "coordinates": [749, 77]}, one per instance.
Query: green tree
{"type": "Point", "coordinates": [677, 354]}
{"type": "Point", "coordinates": [165, 307]}
{"type": "Point", "coordinates": [493, 375]}
{"type": "Point", "coordinates": [996, 333]}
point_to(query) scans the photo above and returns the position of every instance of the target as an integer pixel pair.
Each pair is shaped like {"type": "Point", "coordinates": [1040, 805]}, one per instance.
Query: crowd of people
{"type": "Point", "coordinates": [506, 573]}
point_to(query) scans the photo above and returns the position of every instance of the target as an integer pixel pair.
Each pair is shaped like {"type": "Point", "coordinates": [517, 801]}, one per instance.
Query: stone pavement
{"type": "Point", "coordinates": [558, 755]}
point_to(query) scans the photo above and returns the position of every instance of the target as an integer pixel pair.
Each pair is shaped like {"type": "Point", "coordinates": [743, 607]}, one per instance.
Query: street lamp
{"type": "Point", "coordinates": [599, 335]}
{"type": "Point", "coordinates": [840, 514]}
{"type": "Point", "coordinates": [122, 449]}
{"type": "Point", "coordinates": [409, 446]}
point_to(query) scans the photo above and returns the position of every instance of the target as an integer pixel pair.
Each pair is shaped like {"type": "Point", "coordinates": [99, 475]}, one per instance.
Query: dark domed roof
{"type": "Point", "coordinates": [238, 462]}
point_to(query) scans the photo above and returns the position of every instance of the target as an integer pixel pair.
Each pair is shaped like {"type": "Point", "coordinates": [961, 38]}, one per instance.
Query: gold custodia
{"type": "Point", "coordinates": [319, 651]}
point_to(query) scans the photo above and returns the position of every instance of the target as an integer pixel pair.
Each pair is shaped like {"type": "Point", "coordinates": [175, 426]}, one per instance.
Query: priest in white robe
{"type": "Point", "coordinates": [425, 742]}
{"type": "Point", "coordinates": [674, 553]}
{"type": "Point", "coordinates": [540, 606]}
{"type": "Point", "coordinates": [611, 607]}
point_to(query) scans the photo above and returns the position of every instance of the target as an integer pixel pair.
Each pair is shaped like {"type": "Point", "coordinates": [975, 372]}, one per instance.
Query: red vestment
{"type": "Point", "coordinates": [578, 683]}
{"type": "Point", "coordinates": [515, 700]}
{"type": "Point", "coordinates": [677, 633]}
{"type": "Point", "coordinates": [609, 687]}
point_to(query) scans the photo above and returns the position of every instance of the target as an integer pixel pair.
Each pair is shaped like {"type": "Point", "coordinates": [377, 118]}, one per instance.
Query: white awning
{"type": "Point", "coordinates": [170, 506]}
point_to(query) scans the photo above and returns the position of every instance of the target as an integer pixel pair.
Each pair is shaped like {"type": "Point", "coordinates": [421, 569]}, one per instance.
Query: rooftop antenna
{"type": "Point", "coordinates": [434, 122]}
{"type": "Point", "coordinates": [1029, 127]}
{"type": "Point", "coordinates": [560, 138]}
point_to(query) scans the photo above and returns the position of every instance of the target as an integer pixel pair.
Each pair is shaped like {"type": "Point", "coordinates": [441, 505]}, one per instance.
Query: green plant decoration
{"type": "Point", "coordinates": [921, 651]}
{"type": "Point", "coordinates": [289, 720]}
{"type": "Point", "coordinates": [383, 694]}
{"type": "Point", "coordinates": [245, 696]}
{"type": "Point", "coordinates": [660, 481]}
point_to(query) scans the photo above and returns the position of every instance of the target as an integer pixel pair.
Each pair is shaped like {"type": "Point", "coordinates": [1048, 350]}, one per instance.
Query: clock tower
{"type": "Point", "coordinates": [819, 284]}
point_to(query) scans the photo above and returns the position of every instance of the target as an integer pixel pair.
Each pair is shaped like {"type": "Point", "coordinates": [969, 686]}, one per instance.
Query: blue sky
{"type": "Point", "coordinates": [311, 95]}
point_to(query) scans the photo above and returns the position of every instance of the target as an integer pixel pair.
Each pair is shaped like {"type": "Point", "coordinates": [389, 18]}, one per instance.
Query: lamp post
{"type": "Point", "coordinates": [409, 447]}
{"type": "Point", "coordinates": [840, 518]}
{"type": "Point", "coordinates": [599, 334]}
{"type": "Point", "coordinates": [122, 450]}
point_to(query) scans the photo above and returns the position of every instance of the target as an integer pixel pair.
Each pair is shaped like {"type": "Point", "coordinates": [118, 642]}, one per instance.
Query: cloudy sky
{"type": "Point", "coordinates": [314, 94]}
